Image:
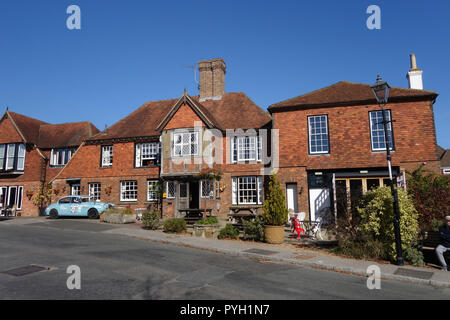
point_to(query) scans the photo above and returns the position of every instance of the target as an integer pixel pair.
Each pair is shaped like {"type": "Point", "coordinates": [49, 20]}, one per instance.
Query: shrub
{"type": "Point", "coordinates": [210, 220]}
{"type": "Point", "coordinates": [254, 229]}
{"type": "Point", "coordinates": [414, 256]}
{"type": "Point", "coordinates": [368, 249]}
{"type": "Point", "coordinates": [116, 210]}
{"type": "Point", "coordinates": [377, 216]}
{"type": "Point", "coordinates": [275, 209]}
{"type": "Point", "coordinates": [174, 225]}
{"type": "Point", "coordinates": [430, 194]}
{"type": "Point", "coordinates": [150, 219]}
{"type": "Point", "coordinates": [229, 232]}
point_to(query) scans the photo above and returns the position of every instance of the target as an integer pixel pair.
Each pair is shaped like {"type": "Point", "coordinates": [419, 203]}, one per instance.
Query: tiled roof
{"type": "Point", "coordinates": [232, 111]}
{"type": "Point", "coordinates": [29, 127]}
{"type": "Point", "coordinates": [445, 160]}
{"type": "Point", "coordinates": [66, 134]}
{"type": "Point", "coordinates": [345, 92]}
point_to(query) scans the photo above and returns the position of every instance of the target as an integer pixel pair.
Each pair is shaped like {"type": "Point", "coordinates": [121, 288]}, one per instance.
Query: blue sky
{"type": "Point", "coordinates": [131, 52]}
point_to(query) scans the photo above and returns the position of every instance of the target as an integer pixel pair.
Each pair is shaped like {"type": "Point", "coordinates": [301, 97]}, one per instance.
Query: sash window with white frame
{"type": "Point", "coordinates": [247, 190]}
{"type": "Point", "coordinates": [107, 156]}
{"type": "Point", "coordinates": [128, 190]}
{"type": "Point", "coordinates": [318, 134]}
{"type": "Point", "coordinates": [147, 153]}
{"type": "Point", "coordinates": [185, 144]}
{"type": "Point", "coordinates": [95, 191]}
{"type": "Point", "coordinates": [246, 148]}
{"type": "Point", "coordinates": [377, 130]}
{"type": "Point", "coordinates": [60, 157]}
{"type": "Point", "coordinates": [152, 191]}
{"type": "Point", "coordinates": [12, 157]}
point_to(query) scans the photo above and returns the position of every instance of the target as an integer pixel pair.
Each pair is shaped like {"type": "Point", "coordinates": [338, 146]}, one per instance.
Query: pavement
{"type": "Point", "coordinates": [291, 252]}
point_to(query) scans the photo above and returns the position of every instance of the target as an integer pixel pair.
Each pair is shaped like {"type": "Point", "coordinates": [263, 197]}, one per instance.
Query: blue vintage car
{"type": "Point", "coordinates": [76, 206]}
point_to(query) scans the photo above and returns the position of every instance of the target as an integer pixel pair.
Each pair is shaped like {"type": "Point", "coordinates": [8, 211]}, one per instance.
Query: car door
{"type": "Point", "coordinates": [64, 206]}
{"type": "Point", "coordinates": [76, 206]}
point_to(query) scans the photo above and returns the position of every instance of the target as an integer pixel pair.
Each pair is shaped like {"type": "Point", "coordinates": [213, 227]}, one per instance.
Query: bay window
{"type": "Point", "coordinates": [185, 144]}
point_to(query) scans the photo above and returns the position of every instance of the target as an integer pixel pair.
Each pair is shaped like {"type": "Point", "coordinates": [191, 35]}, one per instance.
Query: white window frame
{"type": "Point", "coordinates": [95, 190]}
{"type": "Point", "coordinates": [75, 189]}
{"type": "Point", "coordinates": [318, 134]}
{"type": "Point", "coordinates": [128, 188]}
{"type": "Point", "coordinates": [146, 151]}
{"type": "Point", "coordinates": [389, 129]}
{"type": "Point", "coordinates": [3, 156]}
{"type": "Point", "coordinates": [183, 144]}
{"type": "Point", "coordinates": [58, 156]}
{"type": "Point", "coordinates": [154, 196]}
{"type": "Point", "coordinates": [241, 144]}
{"type": "Point", "coordinates": [107, 156]}
{"type": "Point", "coordinates": [208, 186]}
{"type": "Point", "coordinates": [446, 171]}
{"type": "Point", "coordinates": [238, 193]}
{"type": "Point", "coordinates": [10, 164]}
{"type": "Point", "coordinates": [20, 157]}
{"type": "Point", "coordinates": [168, 194]}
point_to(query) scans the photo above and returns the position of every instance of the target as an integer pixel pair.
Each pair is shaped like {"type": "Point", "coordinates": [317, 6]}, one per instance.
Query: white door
{"type": "Point", "coordinates": [292, 196]}
{"type": "Point", "coordinates": [319, 200]}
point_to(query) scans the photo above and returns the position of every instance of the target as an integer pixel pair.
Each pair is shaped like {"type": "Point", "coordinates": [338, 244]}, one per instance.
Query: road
{"type": "Point", "coordinates": [119, 267]}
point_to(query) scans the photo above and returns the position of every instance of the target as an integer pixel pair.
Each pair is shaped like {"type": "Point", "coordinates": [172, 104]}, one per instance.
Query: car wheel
{"type": "Point", "coordinates": [93, 214]}
{"type": "Point", "coordinates": [54, 214]}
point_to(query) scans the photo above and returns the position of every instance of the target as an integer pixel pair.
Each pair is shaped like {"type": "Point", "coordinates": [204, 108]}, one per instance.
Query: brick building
{"type": "Point", "coordinates": [332, 147]}
{"type": "Point", "coordinates": [31, 153]}
{"type": "Point", "coordinates": [174, 141]}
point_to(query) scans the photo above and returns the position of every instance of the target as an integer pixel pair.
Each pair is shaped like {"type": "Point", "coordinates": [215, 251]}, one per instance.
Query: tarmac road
{"type": "Point", "coordinates": [119, 267]}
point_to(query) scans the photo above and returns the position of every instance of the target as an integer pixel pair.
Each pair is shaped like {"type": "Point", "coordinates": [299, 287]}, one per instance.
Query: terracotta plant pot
{"type": "Point", "coordinates": [274, 234]}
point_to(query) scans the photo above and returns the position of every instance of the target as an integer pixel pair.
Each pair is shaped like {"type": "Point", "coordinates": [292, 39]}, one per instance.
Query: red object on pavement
{"type": "Point", "coordinates": [297, 228]}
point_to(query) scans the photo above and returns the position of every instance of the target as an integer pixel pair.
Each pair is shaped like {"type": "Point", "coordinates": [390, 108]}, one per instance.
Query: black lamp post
{"type": "Point", "coordinates": [381, 92]}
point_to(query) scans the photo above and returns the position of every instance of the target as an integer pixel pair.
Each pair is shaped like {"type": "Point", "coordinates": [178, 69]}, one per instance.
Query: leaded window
{"type": "Point", "coordinates": [170, 189]}
{"type": "Point", "coordinates": [207, 187]}
{"type": "Point", "coordinates": [185, 144]}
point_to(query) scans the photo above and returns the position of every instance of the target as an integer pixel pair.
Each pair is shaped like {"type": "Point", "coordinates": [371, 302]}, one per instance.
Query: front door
{"type": "Point", "coordinates": [319, 201]}
{"type": "Point", "coordinates": [194, 195]}
{"type": "Point", "coordinates": [183, 195]}
{"type": "Point", "coordinates": [292, 196]}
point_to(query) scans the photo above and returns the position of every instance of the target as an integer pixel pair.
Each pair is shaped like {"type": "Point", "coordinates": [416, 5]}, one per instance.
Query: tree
{"type": "Point", "coordinates": [430, 194]}
{"type": "Point", "coordinates": [275, 209]}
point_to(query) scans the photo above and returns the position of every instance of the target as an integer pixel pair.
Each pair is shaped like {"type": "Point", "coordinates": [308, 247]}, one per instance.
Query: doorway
{"type": "Point", "coordinates": [194, 195]}
{"type": "Point", "coordinates": [292, 196]}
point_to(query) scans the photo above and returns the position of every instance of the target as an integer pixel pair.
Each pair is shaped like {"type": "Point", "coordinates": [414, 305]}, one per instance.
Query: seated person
{"type": "Point", "coordinates": [444, 232]}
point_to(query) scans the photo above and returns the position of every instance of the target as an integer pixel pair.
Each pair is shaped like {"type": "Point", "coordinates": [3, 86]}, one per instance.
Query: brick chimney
{"type": "Point", "coordinates": [414, 75]}
{"type": "Point", "coordinates": [212, 79]}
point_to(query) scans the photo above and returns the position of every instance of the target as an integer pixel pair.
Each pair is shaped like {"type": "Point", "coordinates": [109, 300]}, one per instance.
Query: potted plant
{"type": "Point", "coordinates": [275, 212]}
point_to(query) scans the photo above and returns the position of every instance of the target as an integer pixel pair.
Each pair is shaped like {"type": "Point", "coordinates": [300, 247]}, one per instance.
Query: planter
{"type": "Point", "coordinates": [274, 234]}
{"type": "Point", "coordinates": [210, 231]}
{"type": "Point", "coordinates": [119, 218]}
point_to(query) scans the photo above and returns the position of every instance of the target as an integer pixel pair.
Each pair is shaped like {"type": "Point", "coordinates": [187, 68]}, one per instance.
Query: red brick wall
{"type": "Point", "coordinates": [349, 133]}
{"type": "Point", "coordinates": [185, 117]}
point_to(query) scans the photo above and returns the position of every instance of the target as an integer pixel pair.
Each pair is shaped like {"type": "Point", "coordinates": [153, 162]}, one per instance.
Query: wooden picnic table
{"type": "Point", "coordinates": [194, 214]}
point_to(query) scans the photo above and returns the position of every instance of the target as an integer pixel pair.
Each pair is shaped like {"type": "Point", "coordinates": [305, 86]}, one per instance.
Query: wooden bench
{"type": "Point", "coordinates": [430, 240]}
{"type": "Point", "coordinates": [193, 215]}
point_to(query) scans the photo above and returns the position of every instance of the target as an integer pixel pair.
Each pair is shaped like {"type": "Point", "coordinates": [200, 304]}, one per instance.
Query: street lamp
{"type": "Point", "coordinates": [381, 92]}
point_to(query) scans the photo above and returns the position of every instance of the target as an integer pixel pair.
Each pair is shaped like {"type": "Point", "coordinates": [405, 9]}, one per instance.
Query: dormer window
{"type": "Point", "coordinates": [12, 157]}
{"type": "Point", "coordinates": [60, 157]}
